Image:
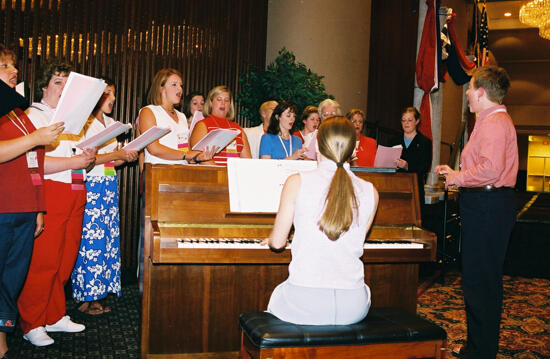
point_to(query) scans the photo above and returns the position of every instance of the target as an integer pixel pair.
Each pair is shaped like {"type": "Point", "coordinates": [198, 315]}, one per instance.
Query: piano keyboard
{"type": "Point", "coordinates": [254, 243]}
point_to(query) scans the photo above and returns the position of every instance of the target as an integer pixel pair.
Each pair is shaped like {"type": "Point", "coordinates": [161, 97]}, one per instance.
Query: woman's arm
{"type": "Point", "coordinates": [245, 153]}
{"type": "Point", "coordinates": [57, 164]}
{"type": "Point", "coordinates": [10, 149]}
{"type": "Point", "coordinates": [146, 121]}
{"type": "Point", "coordinates": [283, 221]}
{"type": "Point", "coordinates": [199, 131]}
{"type": "Point", "coordinates": [371, 219]}
{"type": "Point", "coordinates": [119, 157]}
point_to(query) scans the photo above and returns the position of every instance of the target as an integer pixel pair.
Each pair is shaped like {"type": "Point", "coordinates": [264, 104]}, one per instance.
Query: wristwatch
{"type": "Point", "coordinates": [196, 158]}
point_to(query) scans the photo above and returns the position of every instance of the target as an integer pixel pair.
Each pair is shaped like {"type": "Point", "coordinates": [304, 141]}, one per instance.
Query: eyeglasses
{"type": "Point", "coordinates": [357, 122]}
{"type": "Point", "coordinates": [327, 114]}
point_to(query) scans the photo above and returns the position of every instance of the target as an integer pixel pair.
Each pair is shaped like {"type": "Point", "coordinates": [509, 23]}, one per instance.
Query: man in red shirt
{"type": "Point", "coordinates": [486, 180]}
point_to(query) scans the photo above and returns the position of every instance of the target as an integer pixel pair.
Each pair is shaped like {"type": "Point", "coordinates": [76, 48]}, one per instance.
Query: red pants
{"type": "Point", "coordinates": [42, 300]}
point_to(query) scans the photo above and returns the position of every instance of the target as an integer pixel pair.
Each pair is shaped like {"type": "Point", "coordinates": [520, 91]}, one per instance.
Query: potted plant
{"type": "Point", "coordinates": [283, 79]}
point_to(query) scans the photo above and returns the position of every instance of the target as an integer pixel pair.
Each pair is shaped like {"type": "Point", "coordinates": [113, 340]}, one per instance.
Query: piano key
{"type": "Point", "coordinates": [254, 243]}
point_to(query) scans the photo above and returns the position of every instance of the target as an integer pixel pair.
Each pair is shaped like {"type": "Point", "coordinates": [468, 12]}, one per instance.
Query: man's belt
{"type": "Point", "coordinates": [486, 188]}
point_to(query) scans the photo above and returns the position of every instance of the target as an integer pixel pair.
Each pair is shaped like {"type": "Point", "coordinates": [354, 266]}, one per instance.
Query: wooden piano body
{"type": "Point", "coordinates": [192, 297]}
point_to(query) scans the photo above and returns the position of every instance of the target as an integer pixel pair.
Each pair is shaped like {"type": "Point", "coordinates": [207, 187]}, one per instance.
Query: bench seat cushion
{"type": "Point", "coordinates": [382, 325]}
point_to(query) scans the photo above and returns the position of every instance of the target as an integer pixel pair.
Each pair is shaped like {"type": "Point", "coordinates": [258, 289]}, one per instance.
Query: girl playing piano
{"type": "Point", "coordinates": [332, 210]}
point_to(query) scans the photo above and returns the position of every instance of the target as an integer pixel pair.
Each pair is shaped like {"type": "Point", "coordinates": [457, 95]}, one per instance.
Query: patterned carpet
{"type": "Point", "coordinates": [525, 328]}
{"type": "Point", "coordinates": [113, 335]}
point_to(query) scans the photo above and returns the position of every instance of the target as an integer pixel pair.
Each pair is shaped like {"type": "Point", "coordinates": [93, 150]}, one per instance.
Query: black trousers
{"type": "Point", "coordinates": [16, 243]}
{"type": "Point", "coordinates": [487, 222]}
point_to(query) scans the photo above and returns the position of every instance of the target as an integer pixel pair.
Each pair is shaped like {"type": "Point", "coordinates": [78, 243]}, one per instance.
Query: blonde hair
{"type": "Point", "coordinates": [207, 109]}
{"type": "Point", "coordinates": [336, 139]}
{"type": "Point", "coordinates": [329, 102]}
{"type": "Point", "coordinates": [154, 96]}
{"type": "Point", "coordinates": [266, 105]}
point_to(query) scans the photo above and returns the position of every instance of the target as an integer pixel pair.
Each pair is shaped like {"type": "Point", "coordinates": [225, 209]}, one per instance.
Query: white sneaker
{"type": "Point", "coordinates": [38, 337]}
{"type": "Point", "coordinates": [65, 324]}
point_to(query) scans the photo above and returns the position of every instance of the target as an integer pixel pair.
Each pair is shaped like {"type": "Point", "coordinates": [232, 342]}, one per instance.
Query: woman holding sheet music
{"type": "Point", "coordinates": [173, 148]}
{"type": "Point", "coordinates": [21, 190]}
{"type": "Point", "coordinates": [219, 111]}
{"type": "Point", "coordinates": [332, 210]}
{"type": "Point", "coordinates": [42, 300]}
{"type": "Point", "coordinates": [416, 156]}
{"type": "Point", "coordinates": [278, 143]}
{"type": "Point", "coordinates": [365, 147]}
{"type": "Point", "coordinates": [97, 269]}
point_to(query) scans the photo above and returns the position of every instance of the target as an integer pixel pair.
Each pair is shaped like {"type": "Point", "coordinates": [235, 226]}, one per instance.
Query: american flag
{"type": "Point", "coordinates": [483, 39]}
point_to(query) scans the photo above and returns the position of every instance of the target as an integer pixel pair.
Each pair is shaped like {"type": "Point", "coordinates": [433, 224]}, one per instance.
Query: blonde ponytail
{"type": "Point", "coordinates": [336, 139]}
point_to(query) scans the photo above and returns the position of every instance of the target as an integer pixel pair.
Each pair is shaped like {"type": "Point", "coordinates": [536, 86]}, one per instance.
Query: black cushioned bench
{"type": "Point", "coordinates": [385, 333]}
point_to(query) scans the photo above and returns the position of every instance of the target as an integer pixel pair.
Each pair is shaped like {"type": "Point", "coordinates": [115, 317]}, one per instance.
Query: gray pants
{"type": "Point", "coordinates": [319, 306]}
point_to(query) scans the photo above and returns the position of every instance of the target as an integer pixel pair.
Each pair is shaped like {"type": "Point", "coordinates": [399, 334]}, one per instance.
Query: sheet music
{"type": "Point", "coordinates": [197, 116]}
{"type": "Point", "coordinates": [77, 101]}
{"type": "Point", "coordinates": [20, 88]}
{"type": "Point", "coordinates": [152, 134]}
{"type": "Point", "coordinates": [387, 156]}
{"type": "Point", "coordinates": [311, 151]}
{"type": "Point", "coordinates": [105, 136]}
{"type": "Point", "coordinates": [220, 137]}
{"type": "Point", "coordinates": [255, 185]}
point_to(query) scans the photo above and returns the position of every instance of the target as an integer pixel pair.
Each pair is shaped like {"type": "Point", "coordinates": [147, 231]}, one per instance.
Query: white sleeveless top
{"type": "Point", "coordinates": [316, 260]}
{"type": "Point", "coordinates": [177, 138]}
{"type": "Point", "coordinates": [41, 115]}
{"type": "Point", "coordinates": [93, 127]}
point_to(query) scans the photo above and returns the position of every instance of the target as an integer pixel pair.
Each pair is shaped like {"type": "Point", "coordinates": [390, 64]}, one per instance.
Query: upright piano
{"type": "Point", "coordinates": [203, 266]}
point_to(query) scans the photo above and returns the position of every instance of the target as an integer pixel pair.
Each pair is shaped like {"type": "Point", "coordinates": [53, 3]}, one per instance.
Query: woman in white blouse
{"type": "Point", "coordinates": [173, 148]}
{"type": "Point", "coordinates": [332, 210]}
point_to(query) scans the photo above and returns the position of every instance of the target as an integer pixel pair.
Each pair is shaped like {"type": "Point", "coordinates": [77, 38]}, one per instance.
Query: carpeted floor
{"type": "Point", "coordinates": [113, 335]}
{"type": "Point", "coordinates": [525, 330]}
{"type": "Point", "coordinates": [525, 327]}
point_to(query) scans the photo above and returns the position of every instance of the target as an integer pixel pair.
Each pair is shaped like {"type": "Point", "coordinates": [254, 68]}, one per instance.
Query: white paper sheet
{"type": "Point", "coordinates": [146, 138]}
{"type": "Point", "coordinates": [197, 116]}
{"type": "Point", "coordinates": [105, 136]}
{"type": "Point", "coordinates": [20, 88]}
{"type": "Point", "coordinates": [387, 156]}
{"type": "Point", "coordinates": [255, 185]}
{"type": "Point", "coordinates": [77, 101]}
{"type": "Point", "coordinates": [219, 137]}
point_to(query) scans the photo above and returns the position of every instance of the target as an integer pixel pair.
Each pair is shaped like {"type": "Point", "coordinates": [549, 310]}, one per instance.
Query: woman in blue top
{"type": "Point", "coordinates": [278, 143]}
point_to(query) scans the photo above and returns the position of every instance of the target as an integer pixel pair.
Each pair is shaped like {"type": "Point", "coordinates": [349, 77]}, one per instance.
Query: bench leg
{"type": "Point", "coordinates": [248, 351]}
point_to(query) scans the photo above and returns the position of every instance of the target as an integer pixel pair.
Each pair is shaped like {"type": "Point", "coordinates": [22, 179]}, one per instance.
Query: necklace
{"type": "Point", "coordinates": [19, 124]}
{"type": "Point", "coordinates": [170, 111]}
{"type": "Point", "coordinates": [284, 147]}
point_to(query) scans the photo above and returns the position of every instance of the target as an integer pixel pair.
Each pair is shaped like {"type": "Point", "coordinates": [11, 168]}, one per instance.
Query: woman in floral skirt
{"type": "Point", "coordinates": [97, 269]}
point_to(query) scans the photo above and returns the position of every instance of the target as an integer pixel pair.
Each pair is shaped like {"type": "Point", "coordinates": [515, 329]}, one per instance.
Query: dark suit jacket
{"type": "Point", "coordinates": [418, 155]}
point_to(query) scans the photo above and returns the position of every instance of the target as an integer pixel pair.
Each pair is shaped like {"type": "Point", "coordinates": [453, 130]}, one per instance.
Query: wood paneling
{"type": "Point", "coordinates": [209, 41]}
{"type": "Point", "coordinates": [392, 61]}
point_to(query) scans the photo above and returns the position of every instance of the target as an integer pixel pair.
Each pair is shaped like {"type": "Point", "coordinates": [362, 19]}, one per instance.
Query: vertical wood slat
{"type": "Point", "coordinates": [209, 41]}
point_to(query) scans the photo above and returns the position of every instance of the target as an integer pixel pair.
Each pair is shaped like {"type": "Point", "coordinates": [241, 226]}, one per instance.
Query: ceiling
{"type": "Point", "coordinates": [526, 57]}
{"type": "Point", "coordinates": [496, 19]}
{"type": "Point", "coordinates": [509, 39]}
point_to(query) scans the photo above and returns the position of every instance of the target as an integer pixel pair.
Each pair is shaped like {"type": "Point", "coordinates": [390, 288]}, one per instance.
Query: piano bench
{"type": "Point", "coordinates": [387, 333]}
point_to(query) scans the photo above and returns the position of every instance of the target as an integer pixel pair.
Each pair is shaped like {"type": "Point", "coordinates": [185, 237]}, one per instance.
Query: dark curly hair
{"type": "Point", "coordinates": [47, 70]}
{"type": "Point", "coordinates": [273, 127]}
{"type": "Point", "coordinates": [187, 102]}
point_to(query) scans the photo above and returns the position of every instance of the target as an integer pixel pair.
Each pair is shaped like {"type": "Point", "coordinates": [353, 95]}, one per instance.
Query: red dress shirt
{"type": "Point", "coordinates": [491, 155]}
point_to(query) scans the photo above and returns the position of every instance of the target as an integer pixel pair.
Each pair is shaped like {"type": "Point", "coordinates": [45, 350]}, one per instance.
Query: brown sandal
{"type": "Point", "coordinates": [93, 308]}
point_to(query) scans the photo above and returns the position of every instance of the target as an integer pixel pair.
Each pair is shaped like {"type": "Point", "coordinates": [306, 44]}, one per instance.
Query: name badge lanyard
{"type": "Point", "coordinates": [32, 156]}
{"type": "Point", "coordinates": [284, 147]}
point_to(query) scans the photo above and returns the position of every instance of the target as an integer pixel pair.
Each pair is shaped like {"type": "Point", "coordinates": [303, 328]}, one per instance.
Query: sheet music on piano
{"type": "Point", "coordinates": [255, 185]}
